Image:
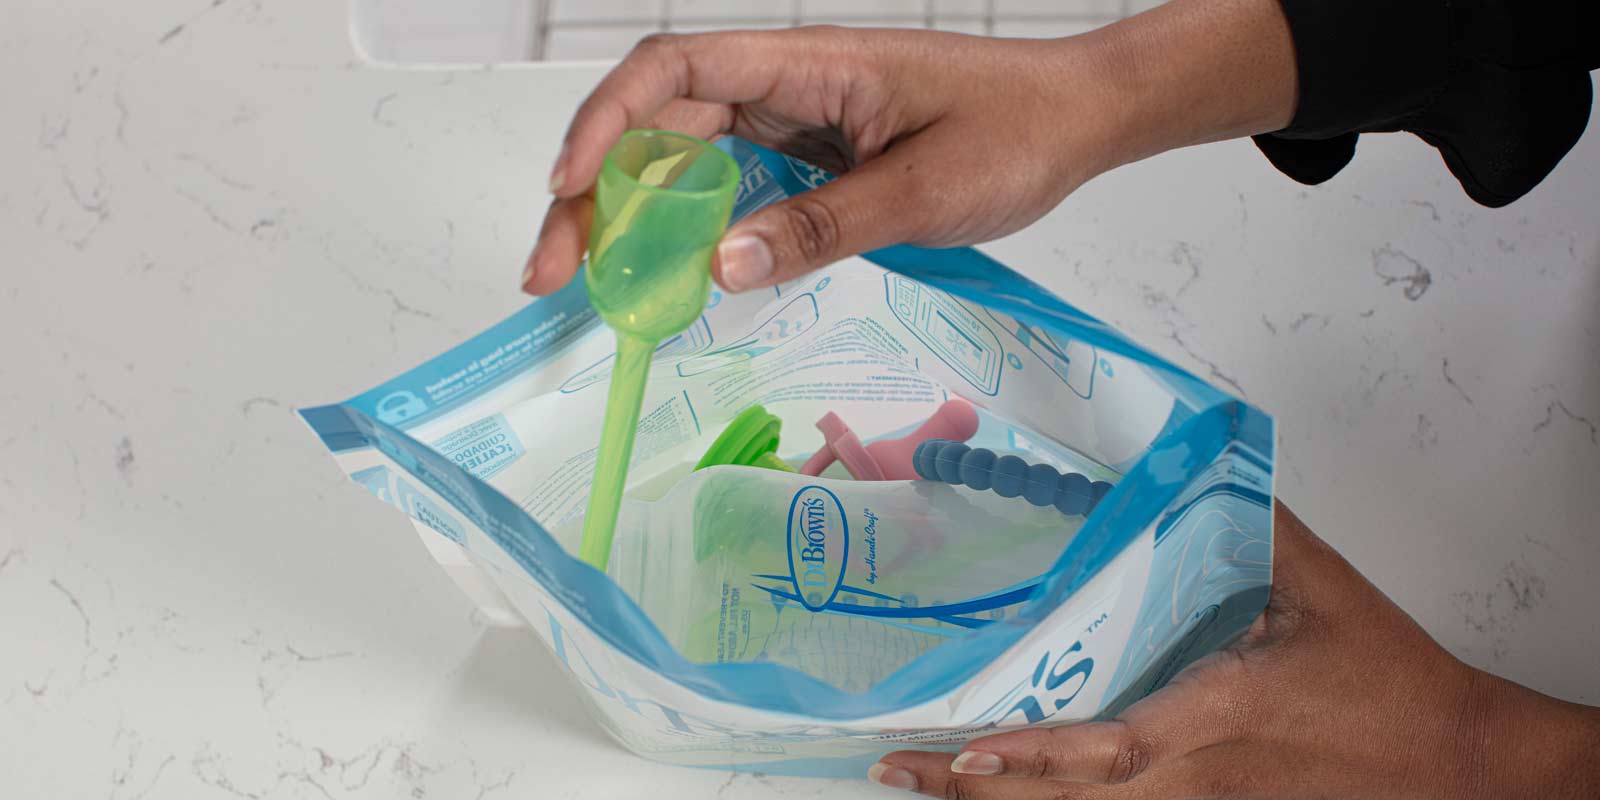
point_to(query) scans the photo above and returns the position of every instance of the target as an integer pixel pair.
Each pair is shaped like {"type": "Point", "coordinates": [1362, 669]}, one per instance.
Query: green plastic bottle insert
{"type": "Point", "coordinates": [662, 202]}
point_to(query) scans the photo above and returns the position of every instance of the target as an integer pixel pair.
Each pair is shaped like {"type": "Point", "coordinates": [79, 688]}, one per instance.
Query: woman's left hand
{"type": "Point", "coordinates": [1334, 692]}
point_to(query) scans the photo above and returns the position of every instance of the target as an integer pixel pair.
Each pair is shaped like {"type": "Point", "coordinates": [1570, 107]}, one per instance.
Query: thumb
{"type": "Point", "coordinates": [880, 203]}
{"type": "Point", "coordinates": [1203, 705]}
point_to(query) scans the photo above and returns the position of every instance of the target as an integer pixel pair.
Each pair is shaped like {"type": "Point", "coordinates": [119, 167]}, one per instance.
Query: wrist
{"type": "Point", "coordinates": [1196, 71]}
{"type": "Point", "coordinates": [1517, 742]}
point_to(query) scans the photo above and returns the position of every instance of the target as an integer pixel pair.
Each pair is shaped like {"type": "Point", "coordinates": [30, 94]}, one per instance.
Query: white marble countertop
{"type": "Point", "coordinates": [212, 211]}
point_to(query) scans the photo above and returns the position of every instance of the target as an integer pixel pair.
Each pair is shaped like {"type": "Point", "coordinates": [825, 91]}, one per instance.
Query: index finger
{"type": "Point", "coordinates": [725, 67]}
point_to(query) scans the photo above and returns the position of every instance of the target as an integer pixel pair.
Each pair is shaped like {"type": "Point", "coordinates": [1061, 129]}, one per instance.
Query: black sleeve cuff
{"type": "Point", "coordinates": [1500, 87]}
{"type": "Point", "coordinates": [1366, 64]}
{"type": "Point", "coordinates": [1308, 161]}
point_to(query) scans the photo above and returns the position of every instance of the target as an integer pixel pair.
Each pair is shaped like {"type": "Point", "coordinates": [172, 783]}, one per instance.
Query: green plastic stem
{"type": "Point", "coordinates": [661, 203]}
{"type": "Point", "coordinates": [616, 447]}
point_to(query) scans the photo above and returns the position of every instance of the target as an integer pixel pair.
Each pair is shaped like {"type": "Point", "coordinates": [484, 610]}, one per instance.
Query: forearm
{"type": "Point", "coordinates": [1195, 71]}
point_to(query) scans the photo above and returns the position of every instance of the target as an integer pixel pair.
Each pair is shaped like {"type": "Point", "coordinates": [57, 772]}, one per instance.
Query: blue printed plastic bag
{"type": "Point", "coordinates": [833, 621]}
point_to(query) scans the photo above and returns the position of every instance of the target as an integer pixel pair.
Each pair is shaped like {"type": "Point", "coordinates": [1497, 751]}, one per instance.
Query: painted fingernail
{"type": "Point", "coordinates": [977, 762]}
{"type": "Point", "coordinates": [892, 777]}
{"type": "Point", "coordinates": [558, 171]}
{"type": "Point", "coordinates": [746, 262]}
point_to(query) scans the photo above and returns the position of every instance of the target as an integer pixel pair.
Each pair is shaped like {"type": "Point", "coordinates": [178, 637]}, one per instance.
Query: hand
{"type": "Point", "coordinates": [1334, 692]}
{"type": "Point", "coordinates": [941, 139]}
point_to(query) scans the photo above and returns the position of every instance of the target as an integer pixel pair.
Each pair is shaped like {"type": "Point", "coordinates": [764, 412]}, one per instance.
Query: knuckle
{"type": "Point", "coordinates": [956, 789]}
{"type": "Point", "coordinates": [812, 227]}
{"type": "Point", "coordinates": [1040, 767]}
{"type": "Point", "coordinates": [1132, 758]}
{"type": "Point", "coordinates": [658, 43]}
{"type": "Point", "coordinates": [667, 53]}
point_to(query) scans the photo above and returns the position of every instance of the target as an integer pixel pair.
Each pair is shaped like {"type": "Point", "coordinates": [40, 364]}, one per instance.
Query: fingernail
{"type": "Point", "coordinates": [558, 171]}
{"type": "Point", "coordinates": [527, 272]}
{"type": "Point", "coordinates": [892, 777]}
{"type": "Point", "coordinates": [977, 762]}
{"type": "Point", "coordinates": [746, 262]}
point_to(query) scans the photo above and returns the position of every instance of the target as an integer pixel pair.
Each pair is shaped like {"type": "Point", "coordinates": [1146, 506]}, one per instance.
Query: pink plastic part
{"type": "Point", "coordinates": [956, 420]}
{"type": "Point", "coordinates": [889, 459]}
{"type": "Point", "coordinates": [842, 444]}
{"type": "Point", "coordinates": [818, 461]}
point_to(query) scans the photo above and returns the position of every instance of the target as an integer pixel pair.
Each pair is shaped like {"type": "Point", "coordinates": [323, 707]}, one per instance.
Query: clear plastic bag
{"type": "Point", "coordinates": [936, 613]}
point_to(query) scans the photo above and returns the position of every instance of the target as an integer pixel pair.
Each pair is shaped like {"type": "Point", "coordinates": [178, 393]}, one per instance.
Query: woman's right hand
{"type": "Point", "coordinates": [940, 139]}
